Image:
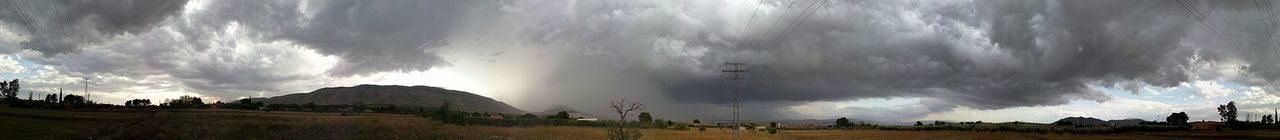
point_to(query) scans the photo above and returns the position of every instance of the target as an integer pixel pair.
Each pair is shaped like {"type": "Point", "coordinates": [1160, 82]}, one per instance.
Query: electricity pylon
{"type": "Point", "coordinates": [87, 96]}
{"type": "Point", "coordinates": [735, 74]}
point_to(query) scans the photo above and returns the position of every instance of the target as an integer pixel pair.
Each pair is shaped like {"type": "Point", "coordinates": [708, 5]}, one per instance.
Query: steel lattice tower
{"type": "Point", "coordinates": [735, 74]}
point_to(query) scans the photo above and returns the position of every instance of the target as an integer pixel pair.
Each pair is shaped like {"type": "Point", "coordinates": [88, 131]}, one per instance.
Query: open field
{"type": "Point", "coordinates": [237, 124]}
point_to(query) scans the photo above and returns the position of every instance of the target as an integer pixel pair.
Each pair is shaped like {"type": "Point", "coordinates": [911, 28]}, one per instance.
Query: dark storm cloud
{"type": "Point", "coordinates": [226, 68]}
{"type": "Point", "coordinates": [234, 48]}
{"type": "Point", "coordinates": [980, 54]}
{"type": "Point", "coordinates": [64, 26]}
{"type": "Point", "coordinates": [984, 54]}
{"type": "Point", "coordinates": [368, 36]}
{"type": "Point", "coordinates": [1248, 30]}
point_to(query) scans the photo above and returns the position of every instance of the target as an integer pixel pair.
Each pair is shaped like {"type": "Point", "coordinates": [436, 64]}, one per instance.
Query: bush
{"type": "Point", "coordinates": [624, 134]}
{"type": "Point", "coordinates": [680, 127]}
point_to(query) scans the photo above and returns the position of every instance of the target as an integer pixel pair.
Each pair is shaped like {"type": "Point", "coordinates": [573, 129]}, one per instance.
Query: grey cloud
{"type": "Point", "coordinates": [65, 26]}
{"type": "Point", "coordinates": [226, 71]}
{"type": "Point", "coordinates": [985, 54]}
{"type": "Point", "coordinates": [980, 54]}
{"type": "Point", "coordinates": [1248, 32]}
{"type": "Point", "coordinates": [269, 49]}
{"type": "Point", "coordinates": [368, 36]}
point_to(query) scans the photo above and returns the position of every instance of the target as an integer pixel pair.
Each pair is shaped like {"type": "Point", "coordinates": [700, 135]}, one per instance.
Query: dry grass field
{"type": "Point", "coordinates": [239, 124]}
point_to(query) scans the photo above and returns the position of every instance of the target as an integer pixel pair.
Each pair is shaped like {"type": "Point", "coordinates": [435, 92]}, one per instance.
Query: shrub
{"type": "Point", "coordinates": [681, 127]}
{"type": "Point", "coordinates": [624, 134]}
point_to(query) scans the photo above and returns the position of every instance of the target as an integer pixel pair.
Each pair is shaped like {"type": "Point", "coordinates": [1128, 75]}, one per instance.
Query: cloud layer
{"type": "Point", "coordinates": [980, 54]}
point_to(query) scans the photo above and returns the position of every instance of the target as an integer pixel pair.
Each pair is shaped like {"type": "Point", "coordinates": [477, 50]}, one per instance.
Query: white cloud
{"type": "Point", "coordinates": [1208, 89]}
{"type": "Point", "coordinates": [1260, 96]}
{"type": "Point", "coordinates": [9, 39]}
{"type": "Point", "coordinates": [912, 109]}
{"type": "Point", "coordinates": [1119, 108]}
{"type": "Point", "coordinates": [10, 64]}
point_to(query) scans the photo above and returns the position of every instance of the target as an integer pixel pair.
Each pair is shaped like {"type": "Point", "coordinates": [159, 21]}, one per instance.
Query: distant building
{"type": "Point", "coordinates": [802, 126]}
{"type": "Point", "coordinates": [1209, 126]}
{"type": "Point", "coordinates": [589, 120]}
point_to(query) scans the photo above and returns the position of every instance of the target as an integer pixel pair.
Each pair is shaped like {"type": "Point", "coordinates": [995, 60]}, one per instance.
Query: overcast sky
{"type": "Point", "coordinates": [877, 60]}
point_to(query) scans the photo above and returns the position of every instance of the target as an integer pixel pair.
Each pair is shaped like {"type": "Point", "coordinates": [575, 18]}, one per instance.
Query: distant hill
{"type": "Point", "coordinates": [1089, 121]}
{"type": "Point", "coordinates": [425, 96]}
{"type": "Point", "coordinates": [1080, 121]}
{"type": "Point", "coordinates": [1125, 122]}
{"type": "Point", "coordinates": [820, 122]}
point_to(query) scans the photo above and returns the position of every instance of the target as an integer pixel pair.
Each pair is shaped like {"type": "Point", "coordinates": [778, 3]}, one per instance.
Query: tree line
{"type": "Point", "coordinates": [1228, 114]}
{"type": "Point", "coordinates": [9, 90]}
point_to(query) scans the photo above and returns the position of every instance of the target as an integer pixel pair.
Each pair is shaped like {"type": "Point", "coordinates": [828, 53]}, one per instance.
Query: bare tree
{"type": "Point", "coordinates": [622, 107]}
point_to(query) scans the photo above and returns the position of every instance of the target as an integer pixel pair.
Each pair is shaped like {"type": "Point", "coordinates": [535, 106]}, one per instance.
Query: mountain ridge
{"type": "Point", "coordinates": [426, 96]}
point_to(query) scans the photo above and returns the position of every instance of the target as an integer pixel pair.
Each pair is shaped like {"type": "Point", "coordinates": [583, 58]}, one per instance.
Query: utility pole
{"type": "Point", "coordinates": [735, 73]}
{"type": "Point", "coordinates": [87, 96]}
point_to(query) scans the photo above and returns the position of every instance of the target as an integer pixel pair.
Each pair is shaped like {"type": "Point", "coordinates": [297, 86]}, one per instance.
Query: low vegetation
{"type": "Point", "coordinates": [1037, 128]}
{"type": "Point", "coordinates": [245, 124]}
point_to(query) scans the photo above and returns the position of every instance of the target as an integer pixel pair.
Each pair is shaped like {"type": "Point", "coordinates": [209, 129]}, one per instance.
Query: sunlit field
{"type": "Point", "coordinates": [241, 124]}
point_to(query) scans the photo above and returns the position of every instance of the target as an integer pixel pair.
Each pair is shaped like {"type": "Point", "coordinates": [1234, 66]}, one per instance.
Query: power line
{"type": "Point", "coordinates": [1213, 9]}
{"type": "Point", "coordinates": [1199, 16]}
{"type": "Point", "coordinates": [1271, 32]}
{"type": "Point", "coordinates": [22, 17]}
{"type": "Point", "coordinates": [776, 20]}
{"type": "Point", "coordinates": [1271, 16]}
{"type": "Point", "coordinates": [1261, 17]}
{"type": "Point", "coordinates": [1239, 27]}
{"type": "Point", "coordinates": [805, 17]}
{"type": "Point", "coordinates": [774, 41]}
{"type": "Point", "coordinates": [62, 15]}
{"type": "Point", "coordinates": [738, 42]}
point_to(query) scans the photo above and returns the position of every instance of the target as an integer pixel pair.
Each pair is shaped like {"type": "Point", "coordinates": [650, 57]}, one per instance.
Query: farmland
{"type": "Point", "coordinates": [236, 124]}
